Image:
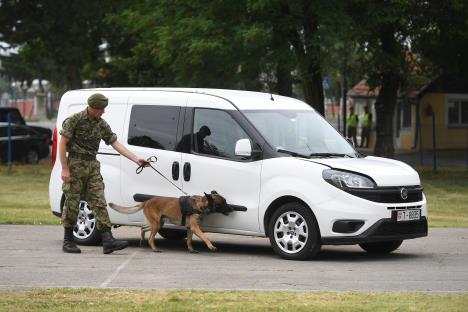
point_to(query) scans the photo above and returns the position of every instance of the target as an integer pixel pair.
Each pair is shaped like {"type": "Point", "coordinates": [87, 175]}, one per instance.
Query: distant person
{"type": "Point", "coordinates": [81, 135]}
{"type": "Point", "coordinates": [366, 127]}
{"type": "Point", "coordinates": [200, 139]}
{"type": "Point", "coordinates": [352, 122]}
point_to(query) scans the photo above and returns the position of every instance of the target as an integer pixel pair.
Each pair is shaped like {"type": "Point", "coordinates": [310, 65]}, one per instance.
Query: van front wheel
{"type": "Point", "coordinates": [294, 232]}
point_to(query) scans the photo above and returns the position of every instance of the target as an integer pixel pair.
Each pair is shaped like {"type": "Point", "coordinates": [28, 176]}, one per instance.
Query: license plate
{"type": "Point", "coordinates": [408, 215]}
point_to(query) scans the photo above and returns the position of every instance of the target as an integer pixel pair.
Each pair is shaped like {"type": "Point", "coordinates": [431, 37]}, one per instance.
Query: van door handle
{"type": "Point", "coordinates": [175, 170]}
{"type": "Point", "coordinates": [187, 171]}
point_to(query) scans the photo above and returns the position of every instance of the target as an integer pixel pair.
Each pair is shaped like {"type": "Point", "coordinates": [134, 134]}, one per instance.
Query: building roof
{"type": "Point", "coordinates": [446, 84]}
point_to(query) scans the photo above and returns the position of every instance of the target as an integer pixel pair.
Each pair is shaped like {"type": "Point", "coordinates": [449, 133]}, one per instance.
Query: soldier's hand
{"type": "Point", "coordinates": [66, 175]}
{"type": "Point", "coordinates": [143, 162]}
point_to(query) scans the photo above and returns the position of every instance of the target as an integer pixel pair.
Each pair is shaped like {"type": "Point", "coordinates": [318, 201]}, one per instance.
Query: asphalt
{"type": "Point", "coordinates": [31, 257]}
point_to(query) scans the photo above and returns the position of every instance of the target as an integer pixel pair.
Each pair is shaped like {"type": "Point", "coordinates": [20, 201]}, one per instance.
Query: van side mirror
{"type": "Point", "coordinates": [243, 148]}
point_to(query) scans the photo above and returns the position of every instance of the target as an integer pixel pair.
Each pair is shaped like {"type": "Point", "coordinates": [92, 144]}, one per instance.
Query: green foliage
{"type": "Point", "coordinates": [67, 33]}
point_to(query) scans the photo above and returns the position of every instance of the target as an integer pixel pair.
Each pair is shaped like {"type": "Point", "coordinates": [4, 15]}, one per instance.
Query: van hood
{"type": "Point", "coordinates": [384, 171]}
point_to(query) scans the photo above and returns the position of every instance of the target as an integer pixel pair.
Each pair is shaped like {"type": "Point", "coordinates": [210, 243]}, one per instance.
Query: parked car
{"type": "Point", "coordinates": [302, 183]}
{"type": "Point", "coordinates": [28, 145]}
{"type": "Point", "coordinates": [17, 118]}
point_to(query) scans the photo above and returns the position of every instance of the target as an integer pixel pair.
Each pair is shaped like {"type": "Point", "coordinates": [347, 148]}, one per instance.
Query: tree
{"type": "Point", "coordinates": [442, 36]}
{"type": "Point", "coordinates": [385, 33]}
{"type": "Point", "coordinates": [64, 32]}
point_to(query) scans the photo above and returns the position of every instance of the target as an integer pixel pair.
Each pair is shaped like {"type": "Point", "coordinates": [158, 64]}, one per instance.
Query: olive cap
{"type": "Point", "coordinates": [98, 101]}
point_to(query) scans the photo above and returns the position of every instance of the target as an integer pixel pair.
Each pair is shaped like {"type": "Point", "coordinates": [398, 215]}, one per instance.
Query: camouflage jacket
{"type": "Point", "coordinates": [86, 133]}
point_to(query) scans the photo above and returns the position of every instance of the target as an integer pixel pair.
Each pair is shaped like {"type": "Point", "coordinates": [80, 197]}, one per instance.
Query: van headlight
{"type": "Point", "coordinates": [345, 179]}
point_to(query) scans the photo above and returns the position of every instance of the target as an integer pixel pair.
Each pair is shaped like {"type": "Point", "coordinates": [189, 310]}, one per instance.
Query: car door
{"type": "Point", "coordinates": [213, 127]}
{"type": "Point", "coordinates": [151, 129]}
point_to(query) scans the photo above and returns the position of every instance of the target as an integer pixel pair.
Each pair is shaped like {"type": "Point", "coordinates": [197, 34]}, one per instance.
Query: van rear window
{"type": "Point", "coordinates": [154, 126]}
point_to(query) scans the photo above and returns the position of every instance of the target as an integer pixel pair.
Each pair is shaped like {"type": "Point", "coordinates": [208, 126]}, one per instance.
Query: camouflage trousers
{"type": "Point", "coordinates": [86, 179]}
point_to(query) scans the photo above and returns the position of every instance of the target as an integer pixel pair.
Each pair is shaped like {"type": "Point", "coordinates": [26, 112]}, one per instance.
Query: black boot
{"type": "Point", "coordinates": [69, 243]}
{"type": "Point", "coordinates": [109, 243]}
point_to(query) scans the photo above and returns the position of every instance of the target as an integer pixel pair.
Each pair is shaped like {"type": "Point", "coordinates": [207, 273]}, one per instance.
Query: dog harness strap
{"type": "Point", "coordinates": [185, 207]}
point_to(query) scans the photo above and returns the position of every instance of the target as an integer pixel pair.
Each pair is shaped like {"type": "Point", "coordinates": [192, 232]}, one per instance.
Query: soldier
{"type": "Point", "coordinates": [81, 135]}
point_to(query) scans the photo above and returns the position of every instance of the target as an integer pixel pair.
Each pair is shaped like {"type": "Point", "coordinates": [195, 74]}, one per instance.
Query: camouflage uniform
{"type": "Point", "coordinates": [85, 135]}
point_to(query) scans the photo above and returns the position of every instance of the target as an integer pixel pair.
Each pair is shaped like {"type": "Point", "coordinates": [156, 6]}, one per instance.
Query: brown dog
{"type": "Point", "coordinates": [157, 207]}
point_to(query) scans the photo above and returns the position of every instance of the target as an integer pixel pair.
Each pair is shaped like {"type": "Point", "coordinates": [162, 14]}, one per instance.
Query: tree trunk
{"type": "Point", "coordinates": [73, 77]}
{"type": "Point", "coordinates": [386, 100]}
{"type": "Point", "coordinates": [385, 109]}
{"type": "Point", "coordinates": [284, 80]}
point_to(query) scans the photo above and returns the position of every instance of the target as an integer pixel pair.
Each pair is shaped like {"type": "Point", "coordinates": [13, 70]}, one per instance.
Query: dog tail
{"type": "Point", "coordinates": [126, 210]}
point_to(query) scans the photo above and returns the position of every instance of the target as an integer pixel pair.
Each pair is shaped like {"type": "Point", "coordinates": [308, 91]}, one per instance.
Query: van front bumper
{"type": "Point", "coordinates": [383, 230]}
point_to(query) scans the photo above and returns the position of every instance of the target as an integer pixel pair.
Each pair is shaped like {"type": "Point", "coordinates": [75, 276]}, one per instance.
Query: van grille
{"type": "Point", "coordinates": [389, 194]}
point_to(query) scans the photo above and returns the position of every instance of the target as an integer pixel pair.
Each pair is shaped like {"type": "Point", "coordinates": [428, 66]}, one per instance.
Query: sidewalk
{"type": "Point", "coordinates": [444, 158]}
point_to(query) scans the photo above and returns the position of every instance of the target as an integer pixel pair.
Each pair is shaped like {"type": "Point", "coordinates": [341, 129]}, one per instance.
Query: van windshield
{"type": "Point", "coordinates": [301, 133]}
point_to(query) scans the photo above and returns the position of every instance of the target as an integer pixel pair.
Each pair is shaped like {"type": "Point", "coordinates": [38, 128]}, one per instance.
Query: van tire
{"type": "Point", "coordinates": [381, 247]}
{"type": "Point", "coordinates": [80, 235]}
{"type": "Point", "coordinates": [173, 234]}
{"type": "Point", "coordinates": [296, 223]}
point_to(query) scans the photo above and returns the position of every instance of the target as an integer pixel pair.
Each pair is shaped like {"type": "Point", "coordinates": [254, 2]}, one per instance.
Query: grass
{"type": "Point", "coordinates": [447, 196]}
{"type": "Point", "coordinates": [24, 196]}
{"type": "Point", "coordinates": [186, 300]}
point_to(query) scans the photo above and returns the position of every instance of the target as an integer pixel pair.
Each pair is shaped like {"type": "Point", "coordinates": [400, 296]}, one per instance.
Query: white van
{"type": "Point", "coordinates": [303, 185]}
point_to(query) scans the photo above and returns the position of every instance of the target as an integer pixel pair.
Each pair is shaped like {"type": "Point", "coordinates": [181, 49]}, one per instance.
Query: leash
{"type": "Point", "coordinates": [154, 159]}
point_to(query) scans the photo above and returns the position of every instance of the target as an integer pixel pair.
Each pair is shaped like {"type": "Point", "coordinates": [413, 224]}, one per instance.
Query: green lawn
{"type": "Point", "coordinates": [24, 196]}
{"type": "Point", "coordinates": [187, 300]}
{"type": "Point", "coordinates": [447, 196]}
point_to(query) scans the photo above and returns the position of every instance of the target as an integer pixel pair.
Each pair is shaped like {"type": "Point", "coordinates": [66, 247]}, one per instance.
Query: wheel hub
{"type": "Point", "coordinates": [291, 232]}
{"type": "Point", "coordinates": [85, 223]}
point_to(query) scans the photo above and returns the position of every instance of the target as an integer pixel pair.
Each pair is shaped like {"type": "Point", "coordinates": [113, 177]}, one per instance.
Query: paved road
{"type": "Point", "coordinates": [31, 257]}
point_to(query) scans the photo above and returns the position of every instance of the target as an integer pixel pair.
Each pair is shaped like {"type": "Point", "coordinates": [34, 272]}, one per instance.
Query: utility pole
{"type": "Point", "coordinates": [345, 90]}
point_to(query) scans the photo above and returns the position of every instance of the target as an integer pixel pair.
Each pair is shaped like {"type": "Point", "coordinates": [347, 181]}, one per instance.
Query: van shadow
{"type": "Point", "coordinates": [264, 250]}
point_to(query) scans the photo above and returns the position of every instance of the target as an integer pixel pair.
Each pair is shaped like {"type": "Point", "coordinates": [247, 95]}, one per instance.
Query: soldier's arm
{"type": "Point", "coordinates": [63, 158]}
{"type": "Point", "coordinates": [125, 152]}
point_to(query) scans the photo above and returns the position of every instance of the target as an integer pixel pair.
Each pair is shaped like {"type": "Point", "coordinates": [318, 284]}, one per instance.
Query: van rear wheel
{"type": "Point", "coordinates": [294, 233]}
{"type": "Point", "coordinates": [381, 247]}
{"type": "Point", "coordinates": [85, 231]}
{"type": "Point", "coordinates": [173, 234]}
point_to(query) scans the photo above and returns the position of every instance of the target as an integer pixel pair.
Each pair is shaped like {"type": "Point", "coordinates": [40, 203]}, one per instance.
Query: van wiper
{"type": "Point", "coordinates": [292, 153]}
{"type": "Point", "coordinates": [325, 155]}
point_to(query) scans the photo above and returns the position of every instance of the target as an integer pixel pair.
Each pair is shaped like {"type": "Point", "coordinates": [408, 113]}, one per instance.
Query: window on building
{"type": "Point", "coordinates": [406, 115]}
{"type": "Point", "coordinates": [153, 126]}
{"type": "Point", "coordinates": [457, 112]}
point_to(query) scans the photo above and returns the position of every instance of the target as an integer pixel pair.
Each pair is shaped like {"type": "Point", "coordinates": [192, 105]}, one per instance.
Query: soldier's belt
{"type": "Point", "coordinates": [81, 156]}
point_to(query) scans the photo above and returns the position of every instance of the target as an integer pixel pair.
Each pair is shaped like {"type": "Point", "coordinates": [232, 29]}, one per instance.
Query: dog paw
{"type": "Point", "coordinates": [213, 248]}
{"type": "Point", "coordinates": [193, 251]}
{"type": "Point", "coordinates": [157, 250]}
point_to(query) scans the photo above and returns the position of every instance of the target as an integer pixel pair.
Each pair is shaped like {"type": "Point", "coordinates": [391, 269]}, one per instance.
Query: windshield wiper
{"type": "Point", "coordinates": [325, 155]}
{"type": "Point", "coordinates": [292, 153]}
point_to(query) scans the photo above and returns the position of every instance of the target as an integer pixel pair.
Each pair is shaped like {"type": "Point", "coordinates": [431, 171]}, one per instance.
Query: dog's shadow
{"type": "Point", "coordinates": [167, 245]}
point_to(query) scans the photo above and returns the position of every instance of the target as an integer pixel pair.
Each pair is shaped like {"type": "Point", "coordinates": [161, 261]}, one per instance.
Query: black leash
{"type": "Point", "coordinates": [154, 159]}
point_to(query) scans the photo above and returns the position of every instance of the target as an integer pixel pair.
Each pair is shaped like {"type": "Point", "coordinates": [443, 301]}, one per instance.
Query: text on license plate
{"type": "Point", "coordinates": [408, 215]}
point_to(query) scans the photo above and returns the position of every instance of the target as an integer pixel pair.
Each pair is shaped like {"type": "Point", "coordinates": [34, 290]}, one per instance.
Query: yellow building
{"type": "Point", "coordinates": [446, 97]}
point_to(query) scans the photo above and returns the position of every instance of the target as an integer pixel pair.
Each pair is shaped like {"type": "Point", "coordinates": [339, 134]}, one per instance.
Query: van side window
{"type": "Point", "coordinates": [153, 126]}
{"type": "Point", "coordinates": [215, 133]}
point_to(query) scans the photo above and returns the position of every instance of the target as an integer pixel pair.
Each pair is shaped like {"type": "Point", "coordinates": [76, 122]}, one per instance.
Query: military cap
{"type": "Point", "coordinates": [98, 101]}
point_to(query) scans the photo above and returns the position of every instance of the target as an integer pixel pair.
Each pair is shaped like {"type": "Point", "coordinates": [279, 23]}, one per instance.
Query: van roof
{"type": "Point", "coordinates": [244, 100]}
